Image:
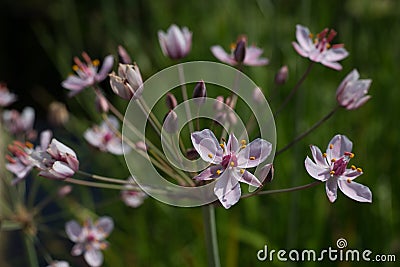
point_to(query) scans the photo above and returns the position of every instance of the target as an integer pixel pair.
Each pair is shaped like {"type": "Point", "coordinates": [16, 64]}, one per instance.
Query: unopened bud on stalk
{"type": "Point", "coordinates": [192, 154]}
{"type": "Point", "coordinates": [141, 146]}
{"type": "Point", "coordinates": [101, 104]}
{"type": "Point", "coordinates": [123, 55]}
{"type": "Point", "coordinates": [199, 93]}
{"type": "Point", "coordinates": [170, 101]}
{"type": "Point", "coordinates": [282, 75]}
{"type": "Point", "coordinates": [64, 190]}
{"type": "Point", "coordinates": [171, 122]}
{"type": "Point", "coordinates": [240, 49]}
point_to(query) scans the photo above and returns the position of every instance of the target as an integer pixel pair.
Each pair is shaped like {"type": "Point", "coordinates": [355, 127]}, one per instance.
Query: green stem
{"type": "Point", "coordinates": [304, 134]}
{"type": "Point", "coordinates": [30, 249]}
{"type": "Point", "coordinates": [210, 229]}
{"type": "Point", "coordinates": [185, 96]}
{"type": "Point", "coordinates": [295, 88]}
{"type": "Point", "coordinates": [285, 190]}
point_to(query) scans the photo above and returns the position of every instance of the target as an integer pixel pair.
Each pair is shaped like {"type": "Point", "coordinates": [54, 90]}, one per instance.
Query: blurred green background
{"type": "Point", "coordinates": [39, 39]}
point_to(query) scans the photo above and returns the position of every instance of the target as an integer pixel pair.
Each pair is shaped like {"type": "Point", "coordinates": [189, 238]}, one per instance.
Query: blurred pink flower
{"type": "Point", "coordinates": [20, 123]}
{"type": "Point", "coordinates": [128, 84]}
{"type": "Point", "coordinates": [319, 49]}
{"type": "Point", "coordinates": [230, 163]}
{"type": "Point", "coordinates": [223, 110]}
{"type": "Point", "coordinates": [240, 54]}
{"type": "Point", "coordinates": [123, 55]}
{"type": "Point", "coordinates": [104, 138]}
{"type": "Point", "coordinates": [175, 43]}
{"type": "Point", "coordinates": [87, 73]}
{"type": "Point", "coordinates": [6, 98]}
{"type": "Point", "coordinates": [90, 239]}
{"type": "Point", "coordinates": [132, 197]}
{"type": "Point", "coordinates": [352, 92]}
{"type": "Point", "coordinates": [331, 167]}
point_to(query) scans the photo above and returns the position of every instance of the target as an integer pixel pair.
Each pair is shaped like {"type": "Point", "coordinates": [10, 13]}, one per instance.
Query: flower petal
{"type": "Point", "coordinates": [93, 257]}
{"type": "Point", "coordinates": [303, 37]}
{"type": "Point", "coordinates": [105, 68]}
{"type": "Point", "coordinates": [233, 145]}
{"type": "Point", "coordinates": [355, 191]}
{"type": "Point", "coordinates": [319, 172]}
{"type": "Point", "coordinates": [254, 153]}
{"type": "Point", "coordinates": [77, 249]}
{"type": "Point", "coordinates": [209, 173]}
{"type": "Point", "coordinates": [300, 50]}
{"type": "Point", "coordinates": [318, 157]}
{"type": "Point", "coordinates": [341, 144]}
{"type": "Point", "coordinates": [63, 169]}
{"type": "Point", "coordinates": [222, 56]}
{"type": "Point", "coordinates": [227, 189]}
{"type": "Point", "coordinates": [331, 188]}
{"type": "Point", "coordinates": [206, 144]}
{"type": "Point", "coordinates": [252, 57]}
{"type": "Point", "coordinates": [73, 230]}
{"type": "Point", "coordinates": [103, 227]}
{"type": "Point", "coordinates": [247, 178]}
{"type": "Point", "coordinates": [335, 54]}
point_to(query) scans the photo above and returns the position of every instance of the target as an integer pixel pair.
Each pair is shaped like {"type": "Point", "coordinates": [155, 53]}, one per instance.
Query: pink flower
{"type": "Point", "coordinates": [240, 54]}
{"type": "Point", "coordinates": [319, 50]}
{"type": "Point", "coordinates": [128, 84]}
{"type": "Point", "coordinates": [57, 162]}
{"type": "Point", "coordinates": [230, 163]}
{"type": "Point", "coordinates": [131, 196]}
{"type": "Point", "coordinates": [6, 98]}
{"type": "Point", "coordinates": [351, 93]}
{"type": "Point", "coordinates": [87, 73]}
{"type": "Point", "coordinates": [176, 43]}
{"type": "Point", "coordinates": [20, 123]}
{"type": "Point", "coordinates": [90, 239]}
{"type": "Point", "coordinates": [331, 167]}
{"type": "Point", "coordinates": [104, 138]}
{"type": "Point", "coordinates": [21, 162]}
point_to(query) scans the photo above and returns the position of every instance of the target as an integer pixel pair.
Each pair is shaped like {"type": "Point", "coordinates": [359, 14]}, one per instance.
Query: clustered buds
{"type": "Point", "coordinates": [128, 84]}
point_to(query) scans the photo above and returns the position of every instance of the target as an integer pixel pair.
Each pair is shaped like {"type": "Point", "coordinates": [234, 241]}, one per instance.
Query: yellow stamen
{"type": "Point", "coordinates": [351, 155]}
{"type": "Point", "coordinates": [332, 172]}
{"type": "Point", "coordinates": [75, 68]}
{"type": "Point", "coordinates": [333, 160]}
{"type": "Point", "coordinates": [219, 172]}
{"type": "Point", "coordinates": [359, 169]}
{"type": "Point", "coordinates": [311, 36]}
{"type": "Point", "coordinates": [353, 167]}
{"type": "Point", "coordinates": [232, 164]}
{"type": "Point", "coordinates": [96, 62]}
{"type": "Point", "coordinates": [330, 146]}
{"type": "Point", "coordinates": [252, 158]}
{"type": "Point", "coordinates": [29, 145]}
{"type": "Point", "coordinates": [348, 180]}
{"type": "Point", "coordinates": [243, 147]}
{"type": "Point", "coordinates": [210, 156]}
{"type": "Point", "coordinates": [233, 46]}
{"type": "Point", "coordinates": [324, 155]}
{"type": "Point", "coordinates": [103, 246]}
{"type": "Point", "coordinates": [241, 171]}
{"type": "Point", "coordinates": [328, 45]}
{"type": "Point", "coordinates": [222, 146]}
{"type": "Point", "coordinates": [243, 142]}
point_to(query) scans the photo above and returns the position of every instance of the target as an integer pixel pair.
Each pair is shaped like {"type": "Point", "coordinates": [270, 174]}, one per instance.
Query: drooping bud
{"type": "Point", "coordinates": [101, 104]}
{"type": "Point", "coordinates": [199, 93]}
{"type": "Point", "coordinates": [240, 50]}
{"type": "Point", "coordinates": [170, 101]}
{"type": "Point", "coordinates": [282, 75]}
{"type": "Point", "coordinates": [171, 122]}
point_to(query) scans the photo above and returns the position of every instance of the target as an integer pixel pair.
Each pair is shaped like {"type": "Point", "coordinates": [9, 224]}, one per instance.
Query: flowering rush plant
{"type": "Point", "coordinates": [180, 157]}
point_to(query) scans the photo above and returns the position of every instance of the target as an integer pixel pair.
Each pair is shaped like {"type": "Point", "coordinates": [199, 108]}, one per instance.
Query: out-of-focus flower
{"type": "Point", "coordinates": [258, 96]}
{"type": "Point", "coordinates": [57, 162]}
{"type": "Point", "coordinates": [319, 49]}
{"type": "Point", "coordinates": [90, 239]}
{"type": "Point", "coordinates": [352, 92]}
{"type": "Point", "coordinates": [170, 101]}
{"type": "Point", "coordinates": [171, 122]}
{"type": "Point", "coordinates": [200, 93]}
{"type": "Point", "coordinates": [20, 123]}
{"type": "Point", "coordinates": [21, 162]}
{"type": "Point", "coordinates": [230, 163]}
{"type": "Point", "coordinates": [282, 75]}
{"type": "Point", "coordinates": [240, 54]}
{"type": "Point", "coordinates": [58, 114]}
{"type": "Point", "coordinates": [104, 138]}
{"type": "Point", "coordinates": [131, 196]}
{"type": "Point", "coordinates": [331, 167]}
{"type": "Point", "coordinates": [87, 73]}
{"type": "Point", "coordinates": [64, 190]}
{"type": "Point", "coordinates": [101, 103]}
{"type": "Point", "coordinates": [128, 83]}
{"type": "Point", "coordinates": [123, 55]}
{"type": "Point", "coordinates": [6, 98]}
{"type": "Point", "coordinates": [176, 43]}
{"type": "Point", "coordinates": [59, 264]}
{"type": "Point", "coordinates": [224, 112]}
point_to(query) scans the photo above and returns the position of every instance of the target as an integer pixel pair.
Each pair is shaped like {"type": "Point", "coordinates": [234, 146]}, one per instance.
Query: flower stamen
{"type": "Point", "coordinates": [210, 156]}
{"type": "Point", "coordinates": [252, 158]}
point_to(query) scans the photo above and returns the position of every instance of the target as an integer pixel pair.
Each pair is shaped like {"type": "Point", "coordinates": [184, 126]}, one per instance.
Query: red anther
{"type": "Point", "coordinates": [331, 35]}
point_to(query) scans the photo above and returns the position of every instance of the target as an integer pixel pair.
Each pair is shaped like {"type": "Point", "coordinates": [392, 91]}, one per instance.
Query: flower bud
{"type": "Point", "coordinates": [141, 146]}
{"type": "Point", "coordinates": [123, 55]}
{"type": "Point", "coordinates": [128, 83]}
{"type": "Point", "coordinates": [58, 114]}
{"type": "Point", "coordinates": [240, 50]}
{"type": "Point", "coordinates": [171, 122]}
{"type": "Point", "coordinates": [170, 101]}
{"type": "Point", "coordinates": [101, 104]}
{"type": "Point", "coordinates": [64, 190]}
{"type": "Point", "coordinates": [199, 93]}
{"type": "Point", "coordinates": [192, 154]}
{"type": "Point", "coordinates": [176, 43]}
{"type": "Point", "coordinates": [282, 75]}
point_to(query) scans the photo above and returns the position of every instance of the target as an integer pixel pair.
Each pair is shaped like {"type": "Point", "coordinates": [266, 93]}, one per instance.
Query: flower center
{"type": "Point", "coordinates": [229, 160]}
